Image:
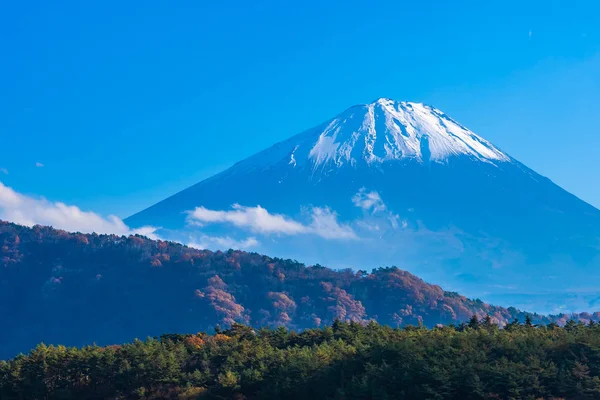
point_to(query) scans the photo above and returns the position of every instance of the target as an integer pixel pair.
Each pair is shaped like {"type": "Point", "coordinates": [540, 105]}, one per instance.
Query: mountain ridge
{"type": "Point", "coordinates": [79, 289]}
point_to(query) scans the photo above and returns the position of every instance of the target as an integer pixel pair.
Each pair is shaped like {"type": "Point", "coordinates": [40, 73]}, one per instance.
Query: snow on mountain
{"type": "Point", "coordinates": [389, 130]}
{"type": "Point", "coordinates": [400, 183]}
{"type": "Point", "coordinates": [382, 131]}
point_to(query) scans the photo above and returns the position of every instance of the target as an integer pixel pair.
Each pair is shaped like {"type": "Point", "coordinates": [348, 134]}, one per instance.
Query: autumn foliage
{"type": "Point", "coordinates": [76, 289]}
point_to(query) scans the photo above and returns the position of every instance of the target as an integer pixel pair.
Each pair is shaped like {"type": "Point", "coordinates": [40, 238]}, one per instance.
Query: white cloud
{"type": "Point", "coordinates": [148, 231]}
{"type": "Point", "coordinates": [222, 243]}
{"type": "Point", "coordinates": [370, 201]}
{"type": "Point", "coordinates": [39, 164]}
{"type": "Point", "coordinates": [3, 171]}
{"type": "Point", "coordinates": [29, 211]}
{"type": "Point", "coordinates": [394, 220]}
{"type": "Point", "coordinates": [368, 226]}
{"type": "Point", "coordinates": [324, 223]}
{"type": "Point", "coordinates": [258, 220]}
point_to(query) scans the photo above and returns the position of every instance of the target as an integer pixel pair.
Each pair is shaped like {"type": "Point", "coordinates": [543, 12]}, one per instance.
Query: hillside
{"type": "Point", "coordinates": [79, 289]}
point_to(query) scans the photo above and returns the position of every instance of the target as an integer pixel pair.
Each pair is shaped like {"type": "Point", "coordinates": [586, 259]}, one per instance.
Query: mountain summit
{"type": "Point", "coordinates": [380, 132]}
{"type": "Point", "coordinates": [400, 183]}
{"type": "Point", "coordinates": [388, 130]}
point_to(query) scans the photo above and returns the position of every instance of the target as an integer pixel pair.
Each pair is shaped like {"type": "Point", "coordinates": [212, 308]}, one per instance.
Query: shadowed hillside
{"type": "Point", "coordinates": [77, 289]}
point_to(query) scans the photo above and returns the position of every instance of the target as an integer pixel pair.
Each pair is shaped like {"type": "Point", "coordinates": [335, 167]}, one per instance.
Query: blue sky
{"type": "Point", "coordinates": [125, 103]}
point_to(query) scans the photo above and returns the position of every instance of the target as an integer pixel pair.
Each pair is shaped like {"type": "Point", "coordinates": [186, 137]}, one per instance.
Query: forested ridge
{"type": "Point", "coordinates": [476, 360]}
{"type": "Point", "coordinates": [78, 289]}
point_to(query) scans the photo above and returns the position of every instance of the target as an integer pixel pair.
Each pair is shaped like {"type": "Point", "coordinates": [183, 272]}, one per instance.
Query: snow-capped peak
{"type": "Point", "coordinates": [380, 132]}
{"type": "Point", "coordinates": [390, 130]}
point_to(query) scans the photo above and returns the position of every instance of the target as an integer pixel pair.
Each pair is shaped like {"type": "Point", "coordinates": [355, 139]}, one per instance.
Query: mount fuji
{"type": "Point", "coordinates": [401, 183]}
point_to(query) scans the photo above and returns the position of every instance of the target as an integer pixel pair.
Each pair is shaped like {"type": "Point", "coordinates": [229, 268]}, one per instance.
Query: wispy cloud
{"type": "Point", "coordinates": [3, 171]}
{"type": "Point", "coordinates": [325, 224]}
{"type": "Point", "coordinates": [256, 219]}
{"type": "Point", "coordinates": [506, 287]}
{"type": "Point", "coordinates": [372, 203]}
{"type": "Point", "coordinates": [222, 243]}
{"type": "Point", "coordinates": [39, 164]}
{"type": "Point", "coordinates": [29, 211]}
{"type": "Point", "coordinates": [323, 221]}
{"type": "Point", "coordinates": [368, 226]}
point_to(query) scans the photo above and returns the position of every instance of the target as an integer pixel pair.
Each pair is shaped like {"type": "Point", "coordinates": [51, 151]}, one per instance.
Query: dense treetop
{"type": "Point", "coordinates": [342, 361]}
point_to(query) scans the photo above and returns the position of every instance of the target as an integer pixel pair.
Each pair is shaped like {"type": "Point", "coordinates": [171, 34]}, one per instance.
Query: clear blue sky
{"type": "Point", "coordinates": [125, 103]}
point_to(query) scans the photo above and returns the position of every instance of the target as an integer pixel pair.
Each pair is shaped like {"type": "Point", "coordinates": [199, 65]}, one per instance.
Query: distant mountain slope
{"type": "Point", "coordinates": [76, 289]}
{"type": "Point", "coordinates": [416, 188]}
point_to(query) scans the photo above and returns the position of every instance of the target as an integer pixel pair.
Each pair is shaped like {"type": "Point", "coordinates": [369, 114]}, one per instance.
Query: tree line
{"type": "Point", "coordinates": [346, 360]}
